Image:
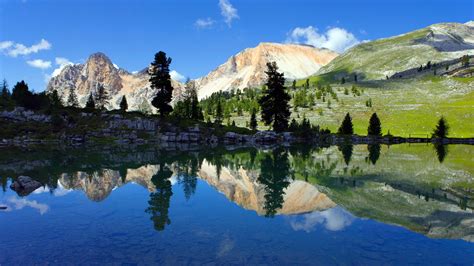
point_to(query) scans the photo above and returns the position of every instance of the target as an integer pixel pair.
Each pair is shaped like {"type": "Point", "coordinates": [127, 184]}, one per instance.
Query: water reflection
{"type": "Point", "coordinates": [273, 176]}
{"type": "Point", "coordinates": [313, 186]}
{"type": "Point", "coordinates": [374, 152]}
{"type": "Point", "coordinates": [159, 202]}
{"type": "Point", "coordinates": [441, 151]}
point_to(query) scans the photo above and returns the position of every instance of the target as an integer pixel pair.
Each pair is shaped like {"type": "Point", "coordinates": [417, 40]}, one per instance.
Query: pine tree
{"type": "Point", "coordinates": [442, 129]}
{"type": "Point", "coordinates": [219, 116]}
{"type": "Point", "coordinates": [346, 127]}
{"type": "Point", "coordinates": [101, 97]}
{"type": "Point", "coordinates": [90, 105]}
{"type": "Point", "coordinates": [253, 120]}
{"type": "Point", "coordinates": [5, 92]}
{"type": "Point", "coordinates": [21, 94]}
{"type": "Point", "coordinates": [160, 80]}
{"type": "Point", "coordinates": [5, 95]}
{"type": "Point", "coordinates": [55, 100]}
{"type": "Point", "coordinates": [123, 104]}
{"type": "Point", "coordinates": [375, 127]}
{"type": "Point", "coordinates": [72, 99]}
{"type": "Point", "coordinates": [274, 102]}
{"type": "Point", "coordinates": [293, 86]}
{"type": "Point", "coordinates": [195, 109]}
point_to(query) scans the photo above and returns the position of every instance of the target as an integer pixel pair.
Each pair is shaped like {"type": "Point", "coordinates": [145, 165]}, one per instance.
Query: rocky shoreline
{"type": "Point", "coordinates": [124, 130]}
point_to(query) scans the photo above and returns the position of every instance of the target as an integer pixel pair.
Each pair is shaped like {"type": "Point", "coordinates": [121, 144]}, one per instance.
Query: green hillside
{"type": "Point", "coordinates": [384, 57]}
{"type": "Point", "coordinates": [405, 107]}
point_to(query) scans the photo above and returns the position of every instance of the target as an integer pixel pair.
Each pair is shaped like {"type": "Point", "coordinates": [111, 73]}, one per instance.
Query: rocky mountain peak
{"type": "Point", "coordinates": [247, 68]}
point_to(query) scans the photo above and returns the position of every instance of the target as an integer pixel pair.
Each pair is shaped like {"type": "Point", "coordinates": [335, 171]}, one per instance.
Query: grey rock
{"type": "Point", "coordinates": [24, 185]}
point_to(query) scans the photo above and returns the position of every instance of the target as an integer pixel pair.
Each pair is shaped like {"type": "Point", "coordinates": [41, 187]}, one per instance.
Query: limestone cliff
{"type": "Point", "coordinates": [247, 68]}
{"type": "Point", "coordinates": [84, 79]}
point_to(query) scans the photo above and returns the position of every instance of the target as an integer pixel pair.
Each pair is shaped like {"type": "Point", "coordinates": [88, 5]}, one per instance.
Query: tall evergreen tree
{"type": "Point", "coordinates": [21, 94]}
{"type": "Point", "coordinates": [72, 98]}
{"type": "Point", "coordinates": [160, 80]}
{"type": "Point", "coordinates": [123, 104]}
{"type": "Point", "coordinates": [219, 115]}
{"type": "Point", "coordinates": [253, 119]}
{"type": "Point", "coordinates": [102, 97]}
{"type": "Point", "coordinates": [274, 102]}
{"type": "Point", "coordinates": [5, 94]}
{"type": "Point", "coordinates": [442, 129]}
{"type": "Point", "coordinates": [195, 109]}
{"type": "Point", "coordinates": [55, 100]}
{"type": "Point", "coordinates": [346, 127]}
{"type": "Point", "coordinates": [90, 105]}
{"type": "Point", "coordinates": [375, 127]}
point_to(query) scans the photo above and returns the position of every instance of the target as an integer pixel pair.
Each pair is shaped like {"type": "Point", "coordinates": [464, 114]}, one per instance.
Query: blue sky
{"type": "Point", "coordinates": [38, 36]}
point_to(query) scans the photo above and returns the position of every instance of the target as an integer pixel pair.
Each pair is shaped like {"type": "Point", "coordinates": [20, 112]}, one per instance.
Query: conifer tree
{"type": "Point", "coordinates": [375, 127]}
{"type": "Point", "coordinates": [346, 127]}
{"type": "Point", "coordinates": [21, 94]}
{"type": "Point", "coordinates": [274, 102]}
{"type": "Point", "coordinates": [123, 104]}
{"type": "Point", "coordinates": [101, 97]}
{"type": "Point", "coordinates": [90, 105]}
{"type": "Point", "coordinates": [160, 80]}
{"type": "Point", "coordinates": [5, 94]}
{"type": "Point", "coordinates": [55, 100]}
{"type": "Point", "coordinates": [442, 129]}
{"type": "Point", "coordinates": [72, 99]}
{"type": "Point", "coordinates": [219, 115]}
{"type": "Point", "coordinates": [253, 119]}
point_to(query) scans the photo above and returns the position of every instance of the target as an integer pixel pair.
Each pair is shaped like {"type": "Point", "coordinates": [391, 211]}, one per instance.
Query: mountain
{"type": "Point", "coordinates": [384, 57]}
{"type": "Point", "coordinates": [242, 187]}
{"type": "Point", "coordinates": [247, 68]}
{"type": "Point", "coordinates": [99, 69]}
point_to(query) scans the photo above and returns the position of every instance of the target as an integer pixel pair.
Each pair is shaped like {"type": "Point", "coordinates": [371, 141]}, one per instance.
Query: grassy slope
{"type": "Point", "coordinates": [404, 106]}
{"type": "Point", "coordinates": [376, 59]}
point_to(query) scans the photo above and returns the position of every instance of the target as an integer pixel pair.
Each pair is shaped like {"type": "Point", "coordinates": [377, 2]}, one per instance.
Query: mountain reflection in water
{"type": "Point", "coordinates": [418, 187]}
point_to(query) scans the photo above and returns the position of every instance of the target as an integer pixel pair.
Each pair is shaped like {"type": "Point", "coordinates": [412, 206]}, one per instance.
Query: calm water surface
{"type": "Point", "coordinates": [403, 204]}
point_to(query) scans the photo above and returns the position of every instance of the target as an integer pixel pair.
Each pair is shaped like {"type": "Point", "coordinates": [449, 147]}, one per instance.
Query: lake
{"type": "Point", "coordinates": [351, 204]}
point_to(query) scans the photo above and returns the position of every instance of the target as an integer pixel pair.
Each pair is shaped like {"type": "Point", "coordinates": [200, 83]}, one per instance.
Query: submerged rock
{"type": "Point", "coordinates": [24, 185]}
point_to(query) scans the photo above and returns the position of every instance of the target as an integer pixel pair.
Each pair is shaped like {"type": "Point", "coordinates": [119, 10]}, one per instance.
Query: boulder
{"type": "Point", "coordinates": [266, 137]}
{"type": "Point", "coordinates": [24, 185]}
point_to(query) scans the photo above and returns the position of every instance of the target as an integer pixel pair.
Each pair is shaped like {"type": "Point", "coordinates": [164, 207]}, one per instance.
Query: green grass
{"type": "Point", "coordinates": [405, 107]}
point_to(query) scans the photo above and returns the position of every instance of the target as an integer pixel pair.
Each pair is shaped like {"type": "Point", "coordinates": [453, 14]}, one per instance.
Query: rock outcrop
{"type": "Point", "coordinates": [84, 79]}
{"type": "Point", "coordinates": [24, 185]}
{"type": "Point", "coordinates": [247, 68]}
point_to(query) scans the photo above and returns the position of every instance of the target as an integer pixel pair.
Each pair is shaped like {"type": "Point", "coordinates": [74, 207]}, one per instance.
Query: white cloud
{"type": "Point", "coordinates": [61, 62]}
{"type": "Point", "coordinates": [5, 45]}
{"type": "Point", "coordinates": [38, 63]}
{"type": "Point", "coordinates": [228, 11]}
{"type": "Point", "coordinates": [336, 39]}
{"type": "Point", "coordinates": [204, 23]}
{"type": "Point", "coordinates": [177, 76]}
{"type": "Point", "coordinates": [15, 49]}
{"type": "Point", "coordinates": [20, 203]}
{"type": "Point", "coordinates": [334, 219]}
{"type": "Point", "coordinates": [116, 66]}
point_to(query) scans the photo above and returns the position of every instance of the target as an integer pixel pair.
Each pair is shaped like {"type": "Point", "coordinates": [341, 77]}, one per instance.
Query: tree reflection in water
{"type": "Point", "coordinates": [159, 202]}
{"type": "Point", "coordinates": [374, 152]}
{"type": "Point", "coordinates": [441, 151]}
{"type": "Point", "coordinates": [346, 150]}
{"type": "Point", "coordinates": [274, 171]}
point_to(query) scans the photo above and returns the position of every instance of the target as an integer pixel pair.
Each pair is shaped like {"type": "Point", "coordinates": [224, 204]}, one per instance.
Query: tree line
{"type": "Point", "coordinates": [271, 101]}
